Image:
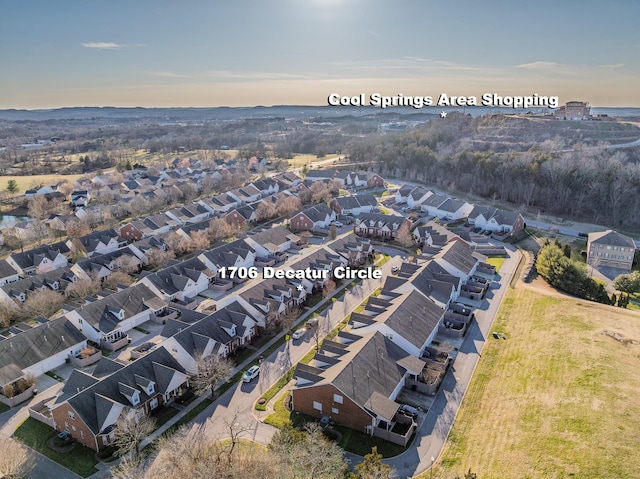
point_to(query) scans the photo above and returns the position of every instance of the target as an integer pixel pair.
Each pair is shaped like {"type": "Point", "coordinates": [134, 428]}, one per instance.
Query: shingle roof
{"type": "Point", "coordinates": [36, 344]}
{"type": "Point", "coordinates": [611, 238]}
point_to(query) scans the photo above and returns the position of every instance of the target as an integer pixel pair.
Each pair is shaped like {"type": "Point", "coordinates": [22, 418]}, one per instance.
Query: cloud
{"type": "Point", "coordinates": [169, 75]}
{"type": "Point", "coordinates": [229, 75]}
{"type": "Point", "coordinates": [542, 65]}
{"type": "Point", "coordinates": [102, 45]}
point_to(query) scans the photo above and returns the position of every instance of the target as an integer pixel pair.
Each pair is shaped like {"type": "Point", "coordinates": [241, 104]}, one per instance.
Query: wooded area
{"type": "Point", "coordinates": [554, 167]}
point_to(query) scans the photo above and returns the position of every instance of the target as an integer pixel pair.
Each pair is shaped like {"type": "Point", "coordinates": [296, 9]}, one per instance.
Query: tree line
{"type": "Point", "coordinates": [557, 175]}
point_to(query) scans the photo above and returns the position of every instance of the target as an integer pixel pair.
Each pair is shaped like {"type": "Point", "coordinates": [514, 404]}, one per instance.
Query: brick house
{"type": "Point", "coordinates": [354, 381]}
{"type": "Point", "coordinates": [379, 225]}
{"type": "Point", "coordinates": [318, 216]}
{"type": "Point", "coordinates": [90, 405]}
{"type": "Point", "coordinates": [610, 248]}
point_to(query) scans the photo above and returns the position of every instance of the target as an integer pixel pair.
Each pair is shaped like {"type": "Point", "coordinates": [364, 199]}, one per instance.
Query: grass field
{"type": "Point", "coordinates": [299, 160]}
{"type": "Point", "coordinates": [557, 399]}
{"type": "Point", "coordinates": [34, 181]}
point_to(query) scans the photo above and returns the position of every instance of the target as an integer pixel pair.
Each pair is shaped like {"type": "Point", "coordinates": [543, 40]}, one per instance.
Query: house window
{"type": "Point", "coordinates": [73, 428]}
{"type": "Point", "coordinates": [71, 415]}
{"type": "Point", "coordinates": [337, 398]}
{"type": "Point", "coordinates": [335, 410]}
{"type": "Point", "coordinates": [317, 406]}
{"type": "Point", "coordinates": [81, 434]}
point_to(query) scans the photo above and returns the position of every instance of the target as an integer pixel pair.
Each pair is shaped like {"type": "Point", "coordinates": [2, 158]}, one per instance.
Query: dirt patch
{"type": "Point", "coordinates": [619, 337]}
{"type": "Point", "coordinates": [51, 444]}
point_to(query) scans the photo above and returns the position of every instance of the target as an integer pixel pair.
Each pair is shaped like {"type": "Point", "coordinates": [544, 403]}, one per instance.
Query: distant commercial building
{"type": "Point", "coordinates": [573, 110]}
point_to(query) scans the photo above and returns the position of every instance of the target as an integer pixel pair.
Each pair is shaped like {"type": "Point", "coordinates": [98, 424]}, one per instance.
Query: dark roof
{"type": "Point", "coordinates": [611, 238]}
{"type": "Point", "coordinates": [94, 403]}
{"type": "Point", "coordinates": [29, 258]}
{"type": "Point", "coordinates": [459, 256]}
{"type": "Point", "coordinates": [34, 345]}
{"type": "Point", "coordinates": [6, 269]}
{"type": "Point", "coordinates": [370, 366]}
{"type": "Point", "coordinates": [132, 300]}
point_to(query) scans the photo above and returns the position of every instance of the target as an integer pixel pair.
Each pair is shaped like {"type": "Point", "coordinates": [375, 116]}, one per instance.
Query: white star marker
{"type": "Point", "coordinates": [443, 114]}
{"type": "Point", "coordinates": [300, 287]}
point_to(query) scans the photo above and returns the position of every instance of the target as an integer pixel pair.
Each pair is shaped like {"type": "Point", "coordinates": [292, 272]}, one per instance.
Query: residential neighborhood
{"type": "Point", "coordinates": [132, 348]}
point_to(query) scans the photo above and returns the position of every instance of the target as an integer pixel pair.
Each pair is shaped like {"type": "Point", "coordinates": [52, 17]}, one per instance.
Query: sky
{"type": "Point", "coordinates": [188, 53]}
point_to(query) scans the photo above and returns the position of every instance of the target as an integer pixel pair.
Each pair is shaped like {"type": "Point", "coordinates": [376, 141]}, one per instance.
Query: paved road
{"type": "Point", "coordinates": [435, 428]}
{"type": "Point", "coordinates": [236, 405]}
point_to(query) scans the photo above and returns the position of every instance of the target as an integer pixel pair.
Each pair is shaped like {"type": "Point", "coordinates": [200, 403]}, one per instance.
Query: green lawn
{"type": "Point", "coordinates": [80, 459]}
{"type": "Point", "coordinates": [3, 408]}
{"type": "Point", "coordinates": [496, 261]}
{"type": "Point", "coordinates": [556, 399]}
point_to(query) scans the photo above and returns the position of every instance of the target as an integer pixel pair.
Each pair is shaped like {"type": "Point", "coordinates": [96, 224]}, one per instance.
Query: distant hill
{"type": "Point", "coordinates": [234, 113]}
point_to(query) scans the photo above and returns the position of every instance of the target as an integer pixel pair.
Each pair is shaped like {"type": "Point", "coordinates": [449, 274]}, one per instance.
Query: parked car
{"type": "Point", "coordinates": [338, 224]}
{"type": "Point", "coordinates": [312, 323]}
{"type": "Point", "coordinates": [251, 374]}
{"type": "Point", "coordinates": [408, 410]}
{"type": "Point", "coordinates": [395, 269]}
{"type": "Point", "coordinates": [299, 333]}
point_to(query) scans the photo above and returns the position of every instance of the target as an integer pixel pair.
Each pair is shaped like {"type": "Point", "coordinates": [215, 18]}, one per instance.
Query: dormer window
{"type": "Point", "coordinates": [54, 285]}
{"type": "Point", "coordinates": [135, 399]}
{"type": "Point", "coordinates": [151, 388]}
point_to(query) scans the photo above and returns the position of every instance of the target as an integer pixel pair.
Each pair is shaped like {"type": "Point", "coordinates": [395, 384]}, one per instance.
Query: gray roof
{"type": "Point", "coordinates": [34, 345]}
{"type": "Point", "coordinates": [459, 256]}
{"type": "Point", "coordinates": [6, 270]}
{"type": "Point", "coordinates": [94, 403]}
{"type": "Point", "coordinates": [611, 238]}
{"type": "Point", "coordinates": [132, 300]}
{"type": "Point", "coordinates": [371, 365]}
{"type": "Point", "coordinates": [33, 256]}
{"type": "Point", "coordinates": [452, 205]}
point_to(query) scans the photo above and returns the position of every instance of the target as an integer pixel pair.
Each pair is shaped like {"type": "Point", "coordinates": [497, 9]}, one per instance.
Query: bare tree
{"type": "Point", "coordinates": [77, 228]}
{"type": "Point", "coordinates": [42, 302]}
{"type": "Point", "coordinates": [83, 288]}
{"type": "Point", "coordinates": [210, 371]}
{"type": "Point", "coordinates": [328, 288]}
{"type": "Point", "coordinates": [130, 429]}
{"type": "Point", "coordinates": [39, 230]}
{"type": "Point", "coordinates": [288, 318]}
{"type": "Point", "coordinates": [115, 278]}
{"type": "Point", "coordinates": [16, 460]}
{"type": "Point", "coordinates": [308, 455]}
{"type": "Point", "coordinates": [333, 232]}
{"type": "Point", "coordinates": [158, 257]}
{"type": "Point", "coordinates": [38, 207]}
{"type": "Point", "coordinates": [235, 427]}
{"type": "Point", "coordinates": [372, 467]}
{"type": "Point", "coordinates": [404, 236]}
{"type": "Point", "coordinates": [199, 240]}
{"type": "Point", "coordinates": [219, 229]}
{"type": "Point", "coordinates": [266, 210]}
{"type": "Point", "coordinates": [287, 205]}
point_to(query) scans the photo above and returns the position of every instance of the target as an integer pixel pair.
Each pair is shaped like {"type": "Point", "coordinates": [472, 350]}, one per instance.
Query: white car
{"type": "Point", "coordinates": [299, 333]}
{"type": "Point", "coordinates": [251, 374]}
{"type": "Point", "coordinates": [338, 224]}
{"type": "Point", "coordinates": [394, 269]}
